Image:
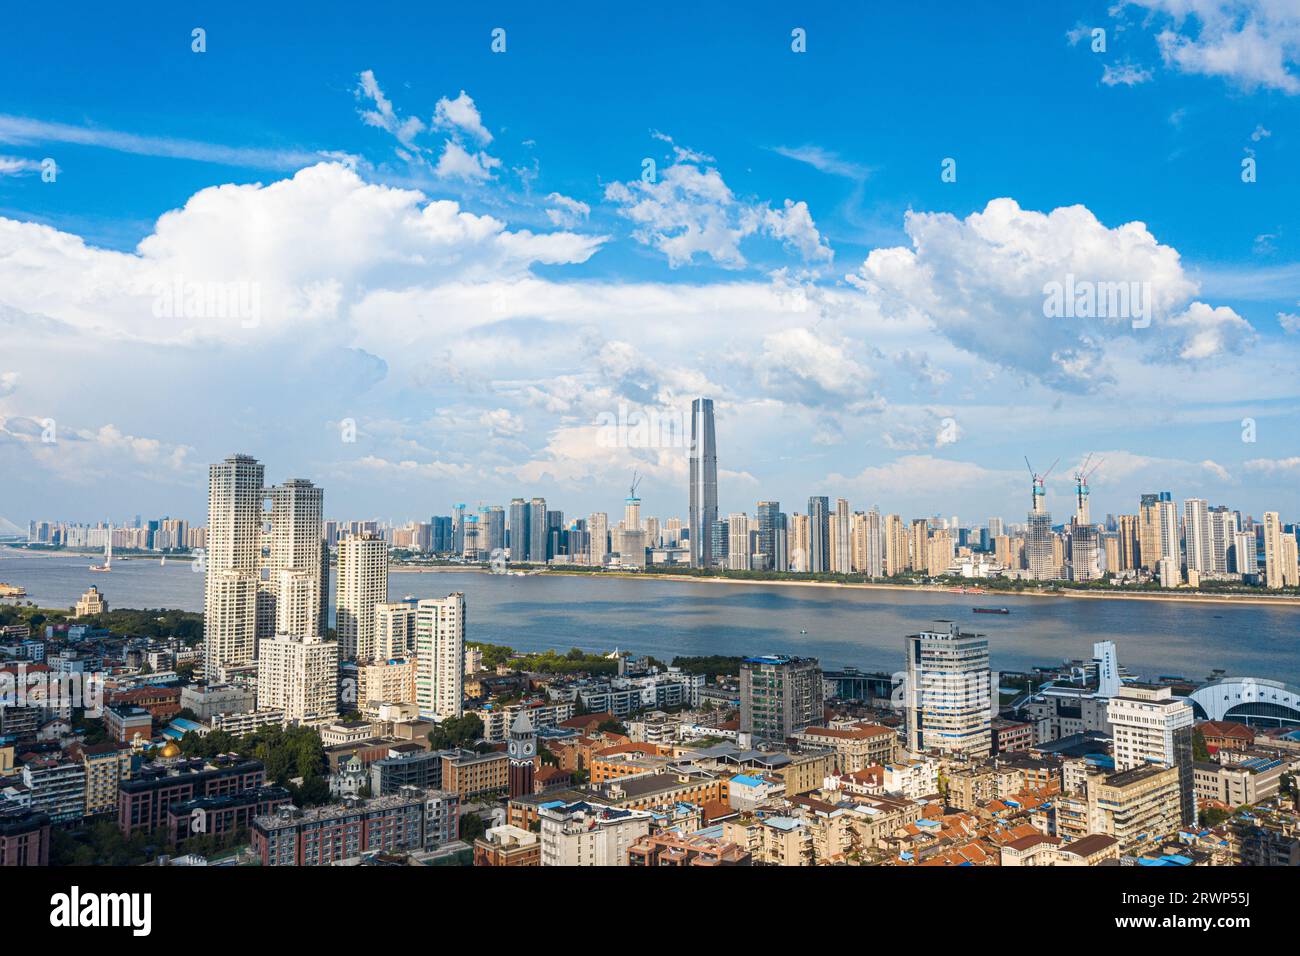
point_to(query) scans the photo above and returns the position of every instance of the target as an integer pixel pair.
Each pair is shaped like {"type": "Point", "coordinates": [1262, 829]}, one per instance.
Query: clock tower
{"type": "Point", "coordinates": [523, 755]}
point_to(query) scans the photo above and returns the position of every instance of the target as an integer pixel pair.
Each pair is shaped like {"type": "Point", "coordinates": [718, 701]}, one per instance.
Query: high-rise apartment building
{"type": "Point", "coordinates": [1197, 536]}
{"type": "Point", "coordinates": [779, 696]}
{"type": "Point", "coordinates": [362, 586]}
{"type": "Point", "coordinates": [395, 629]}
{"type": "Point", "coordinates": [841, 539]}
{"type": "Point", "coordinates": [297, 525]}
{"type": "Point", "coordinates": [299, 675]}
{"type": "Point", "coordinates": [1274, 557]}
{"type": "Point", "coordinates": [704, 482]}
{"type": "Point", "coordinates": [233, 563]}
{"type": "Point", "coordinates": [598, 529]}
{"type": "Point", "coordinates": [896, 555]}
{"type": "Point", "coordinates": [440, 655]}
{"type": "Point", "coordinates": [798, 542]}
{"type": "Point", "coordinates": [1150, 726]}
{"type": "Point", "coordinates": [1130, 558]}
{"type": "Point", "coordinates": [738, 549]}
{"type": "Point", "coordinates": [949, 700]}
{"type": "Point", "coordinates": [1223, 527]}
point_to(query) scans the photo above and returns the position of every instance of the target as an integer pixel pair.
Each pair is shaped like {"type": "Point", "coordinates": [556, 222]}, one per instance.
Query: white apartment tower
{"type": "Point", "coordinates": [297, 524]}
{"type": "Point", "coordinates": [738, 549]}
{"type": "Point", "coordinates": [440, 656]}
{"type": "Point", "coordinates": [1196, 533]}
{"type": "Point", "coordinates": [1274, 576]}
{"type": "Point", "coordinates": [300, 676]}
{"type": "Point", "coordinates": [598, 528]}
{"type": "Point", "coordinates": [363, 586]}
{"type": "Point", "coordinates": [233, 560]}
{"type": "Point", "coordinates": [394, 630]}
{"type": "Point", "coordinates": [841, 538]}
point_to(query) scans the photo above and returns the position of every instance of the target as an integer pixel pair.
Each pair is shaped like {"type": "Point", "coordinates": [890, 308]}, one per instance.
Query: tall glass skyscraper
{"type": "Point", "coordinates": [704, 482]}
{"type": "Point", "coordinates": [771, 535]}
{"type": "Point", "coordinates": [819, 534]}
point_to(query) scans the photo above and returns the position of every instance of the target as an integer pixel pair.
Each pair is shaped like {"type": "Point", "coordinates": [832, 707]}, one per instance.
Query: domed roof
{"type": "Point", "coordinates": [170, 749]}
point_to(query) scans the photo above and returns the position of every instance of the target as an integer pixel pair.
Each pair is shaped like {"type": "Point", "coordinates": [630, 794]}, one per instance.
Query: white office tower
{"type": "Point", "coordinates": [297, 603]}
{"type": "Point", "coordinates": [1150, 726]}
{"type": "Point", "coordinates": [995, 527]}
{"type": "Point", "coordinates": [1196, 533]}
{"type": "Point", "coordinates": [949, 700]}
{"type": "Point", "coordinates": [738, 549]}
{"type": "Point", "coordinates": [1108, 682]}
{"type": "Point", "coordinates": [598, 529]}
{"type": "Point", "coordinates": [440, 654]}
{"type": "Point", "coordinates": [394, 630]}
{"type": "Point", "coordinates": [299, 675]}
{"type": "Point", "coordinates": [363, 586]}
{"type": "Point", "coordinates": [233, 561]}
{"type": "Point", "coordinates": [295, 544]}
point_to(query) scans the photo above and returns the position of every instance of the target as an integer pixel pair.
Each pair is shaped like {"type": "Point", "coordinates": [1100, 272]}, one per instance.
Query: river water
{"type": "Point", "coordinates": [863, 628]}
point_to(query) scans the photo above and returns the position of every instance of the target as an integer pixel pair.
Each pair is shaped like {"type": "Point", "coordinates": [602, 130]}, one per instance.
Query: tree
{"type": "Point", "coordinates": [456, 732]}
{"type": "Point", "coordinates": [471, 827]}
{"type": "Point", "coordinates": [1199, 750]}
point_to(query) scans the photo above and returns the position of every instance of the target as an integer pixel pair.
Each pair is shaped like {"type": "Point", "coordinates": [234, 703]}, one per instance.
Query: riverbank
{"type": "Point", "coordinates": [990, 597]}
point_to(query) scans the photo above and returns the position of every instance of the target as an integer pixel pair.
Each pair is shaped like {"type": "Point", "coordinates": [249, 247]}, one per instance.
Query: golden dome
{"type": "Point", "coordinates": [170, 749]}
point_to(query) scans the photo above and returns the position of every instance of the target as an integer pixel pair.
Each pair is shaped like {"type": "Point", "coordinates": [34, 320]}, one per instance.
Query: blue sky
{"type": "Point", "coordinates": [455, 251]}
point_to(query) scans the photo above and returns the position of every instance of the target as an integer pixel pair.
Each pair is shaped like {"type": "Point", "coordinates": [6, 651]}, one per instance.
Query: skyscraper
{"type": "Point", "coordinates": [738, 550]}
{"type": "Point", "coordinates": [233, 559]}
{"type": "Point", "coordinates": [895, 545]}
{"type": "Point", "coordinates": [819, 534]}
{"type": "Point", "coordinates": [296, 534]}
{"type": "Point", "coordinates": [537, 528]}
{"type": "Point", "coordinates": [1275, 558]}
{"type": "Point", "coordinates": [949, 698]}
{"type": "Point", "coordinates": [771, 534]}
{"type": "Point", "coordinates": [1040, 545]}
{"type": "Point", "coordinates": [519, 535]}
{"type": "Point", "coordinates": [704, 482]}
{"type": "Point", "coordinates": [1223, 527]}
{"type": "Point", "coordinates": [362, 586]}
{"type": "Point", "coordinates": [440, 654]}
{"type": "Point", "coordinates": [841, 556]}
{"type": "Point", "coordinates": [1196, 532]}
{"type": "Point", "coordinates": [598, 530]}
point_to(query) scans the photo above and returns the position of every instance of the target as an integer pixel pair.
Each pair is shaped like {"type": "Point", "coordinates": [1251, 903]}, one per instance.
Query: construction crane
{"type": "Point", "coordinates": [1081, 476]}
{"type": "Point", "coordinates": [636, 480]}
{"type": "Point", "coordinates": [1039, 494]}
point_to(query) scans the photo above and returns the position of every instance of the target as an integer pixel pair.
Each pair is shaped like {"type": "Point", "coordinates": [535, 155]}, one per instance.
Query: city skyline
{"type": "Point", "coordinates": [496, 283]}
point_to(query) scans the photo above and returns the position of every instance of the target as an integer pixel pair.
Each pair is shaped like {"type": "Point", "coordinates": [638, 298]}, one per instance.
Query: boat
{"type": "Point", "coordinates": [991, 610]}
{"type": "Point", "coordinates": [108, 553]}
{"type": "Point", "coordinates": [11, 591]}
{"type": "Point", "coordinates": [163, 562]}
